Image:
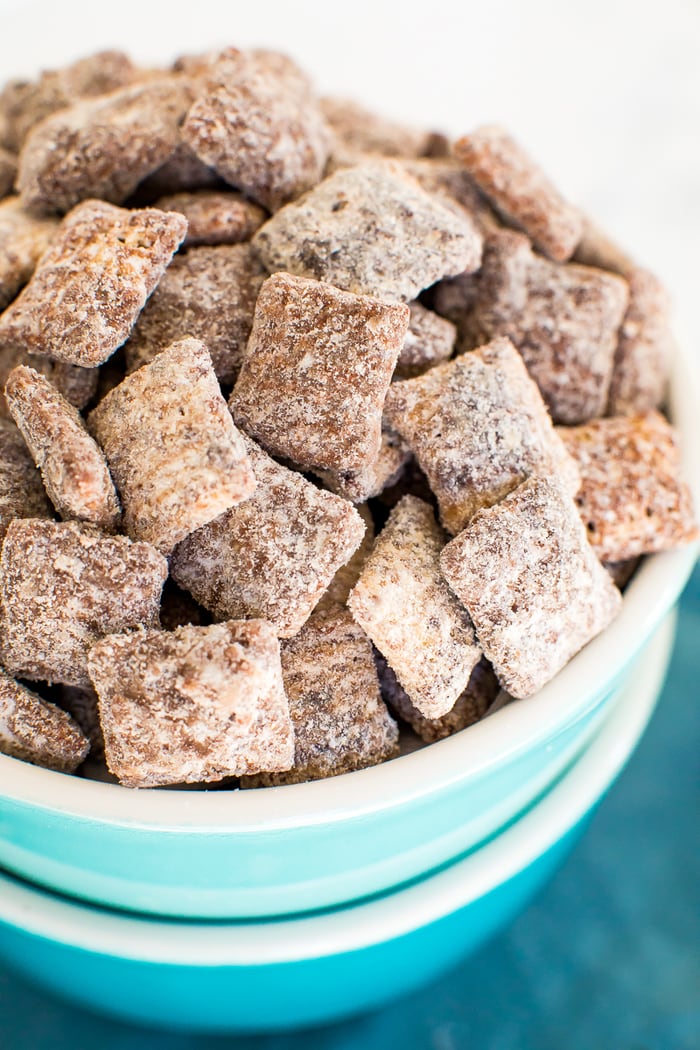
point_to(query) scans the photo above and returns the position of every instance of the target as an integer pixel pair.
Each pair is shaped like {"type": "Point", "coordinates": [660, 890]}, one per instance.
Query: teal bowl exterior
{"type": "Point", "coordinates": [301, 971]}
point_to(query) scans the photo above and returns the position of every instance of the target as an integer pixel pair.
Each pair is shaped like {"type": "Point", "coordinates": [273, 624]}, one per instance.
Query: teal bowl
{"type": "Point", "coordinates": [265, 975]}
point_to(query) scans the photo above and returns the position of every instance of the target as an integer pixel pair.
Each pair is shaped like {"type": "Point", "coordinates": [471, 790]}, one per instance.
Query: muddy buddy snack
{"type": "Point", "coordinates": [316, 372]}
{"type": "Point", "coordinates": [37, 731]}
{"type": "Point", "coordinates": [208, 293]}
{"type": "Point", "coordinates": [63, 586]}
{"type": "Point", "coordinates": [564, 320]}
{"type": "Point", "coordinates": [197, 704]}
{"type": "Point", "coordinates": [470, 706]}
{"type": "Point", "coordinates": [478, 427]}
{"type": "Point", "coordinates": [175, 455]}
{"type": "Point", "coordinates": [344, 422]}
{"type": "Point", "coordinates": [521, 191]}
{"type": "Point", "coordinates": [403, 603]}
{"type": "Point", "coordinates": [632, 499]}
{"type": "Point", "coordinates": [101, 147]}
{"type": "Point", "coordinates": [340, 720]}
{"type": "Point", "coordinates": [430, 339]}
{"type": "Point", "coordinates": [214, 216]}
{"type": "Point", "coordinates": [73, 468]}
{"type": "Point", "coordinates": [92, 283]}
{"type": "Point", "coordinates": [23, 240]}
{"type": "Point", "coordinates": [273, 555]}
{"type": "Point", "coordinates": [22, 494]}
{"type": "Point", "coordinates": [532, 584]}
{"type": "Point", "coordinates": [371, 230]}
{"type": "Point", "coordinates": [258, 125]}
{"type": "Point", "coordinates": [23, 103]}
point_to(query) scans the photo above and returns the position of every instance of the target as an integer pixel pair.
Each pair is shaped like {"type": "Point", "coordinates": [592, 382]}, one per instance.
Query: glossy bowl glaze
{"type": "Point", "coordinates": [276, 851]}
{"type": "Point", "coordinates": [279, 974]}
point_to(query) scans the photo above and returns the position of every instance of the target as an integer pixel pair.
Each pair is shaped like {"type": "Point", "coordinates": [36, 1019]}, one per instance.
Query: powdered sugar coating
{"type": "Point", "coordinates": [36, 731]}
{"type": "Point", "coordinates": [23, 239]}
{"type": "Point", "coordinates": [102, 147]}
{"type": "Point", "coordinates": [478, 428]}
{"type": "Point", "coordinates": [407, 609]}
{"type": "Point", "coordinates": [64, 585]}
{"type": "Point", "coordinates": [371, 230]}
{"type": "Point", "coordinates": [317, 368]}
{"type": "Point", "coordinates": [446, 178]}
{"type": "Point", "coordinates": [73, 468]}
{"type": "Point", "coordinates": [23, 103]}
{"type": "Point", "coordinates": [197, 704]}
{"type": "Point", "coordinates": [532, 584]}
{"type": "Point", "coordinates": [340, 720]}
{"type": "Point", "coordinates": [214, 216]}
{"type": "Point", "coordinates": [78, 385]}
{"type": "Point", "coordinates": [632, 498]}
{"type": "Point", "coordinates": [22, 494]}
{"type": "Point", "coordinates": [564, 320]}
{"type": "Point", "coordinates": [645, 347]}
{"type": "Point", "coordinates": [272, 556]}
{"type": "Point", "coordinates": [176, 458]}
{"type": "Point", "coordinates": [259, 126]}
{"type": "Point", "coordinates": [208, 293]}
{"type": "Point", "coordinates": [521, 191]}
{"type": "Point", "coordinates": [470, 707]}
{"type": "Point", "coordinates": [370, 481]}
{"type": "Point", "coordinates": [347, 575]}
{"type": "Point", "coordinates": [91, 284]}
{"type": "Point", "coordinates": [430, 339]}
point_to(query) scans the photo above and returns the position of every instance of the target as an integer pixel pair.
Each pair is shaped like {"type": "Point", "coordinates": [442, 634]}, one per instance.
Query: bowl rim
{"type": "Point", "coordinates": [508, 732]}
{"type": "Point", "coordinates": [76, 924]}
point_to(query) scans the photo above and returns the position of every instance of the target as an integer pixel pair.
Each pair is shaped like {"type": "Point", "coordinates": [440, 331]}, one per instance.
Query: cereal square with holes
{"type": "Point", "coordinates": [37, 731]}
{"type": "Point", "coordinates": [258, 124]}
{"type": "Point", "coordinates": [632, 499]}
{"type": "Point", "coordinates": [316, 372]}
{"type": "Point", "coordinates": [409, 612]}
{"type": "Point", "coordinates": [340, 720]}
{"type": "Point", "coordinates": [469, 708]}
{"type": "Point", "coordinates": [208, 293]}
{"type": "Point", "coordinates": [272, 556]}
{"type": "Point", "coordinates": [73, 467]}
{"type": "Point", "coordinates": [478, 427]}
{"type": "Point", "coordinates": [92, 283]}
{"type": "Point", "coordinates": [521, 191]}
{"type": "Point", "coordinates": [371, 230]}
{"type": "Point", "coordinates": [564, 320]}
{"type": "Point", "coordinates": [102, 147]}
{"type": "Point", "coordinates": [531, 583]}
{"type": "Point", "coordinates": [63, 585]}
{"type": "Point", "coordinates": [173, 450]}
{"type": "Point", "coordinates": [193, 705]}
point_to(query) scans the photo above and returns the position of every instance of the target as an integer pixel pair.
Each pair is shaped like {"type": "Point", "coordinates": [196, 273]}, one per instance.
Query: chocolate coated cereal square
{"type": "Point", "coordinates": [36, 731]}
{"type": "Point", "coordinates": [64, 585]}
{"type": "Point", "coordinates": [196, 704]}
{"type": "Point", "coordinates": [531, 583]}
{"type": "Point", "coordinates": [176, 458]}
{"type": "Point", "coordinates": [409, 612]}
{"type": "Point", "coordinates": [92, 283]}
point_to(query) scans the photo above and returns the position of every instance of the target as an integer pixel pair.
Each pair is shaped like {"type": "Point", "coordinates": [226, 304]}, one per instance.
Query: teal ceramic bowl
{"type": "Point", "coordinates": [292, 849]}
{"type": "Point", "coordinates": [279, 974]}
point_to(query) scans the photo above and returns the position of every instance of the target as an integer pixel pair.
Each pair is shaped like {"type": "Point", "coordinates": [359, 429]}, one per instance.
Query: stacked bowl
{"type": "Point", "coordinates": [301, 904]}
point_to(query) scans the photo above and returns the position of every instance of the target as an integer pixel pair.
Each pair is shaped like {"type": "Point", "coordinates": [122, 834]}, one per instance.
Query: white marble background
{"type": "Point", "coordinates": [606, 93]}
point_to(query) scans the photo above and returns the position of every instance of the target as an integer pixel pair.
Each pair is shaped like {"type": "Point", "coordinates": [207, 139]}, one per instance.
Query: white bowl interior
{"type": "Point", "coordinates": [381, 919]}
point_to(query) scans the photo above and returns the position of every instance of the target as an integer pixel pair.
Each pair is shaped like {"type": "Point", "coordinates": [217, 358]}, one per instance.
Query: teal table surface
{"type": "Point", "coordinates": [607, 958]}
